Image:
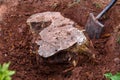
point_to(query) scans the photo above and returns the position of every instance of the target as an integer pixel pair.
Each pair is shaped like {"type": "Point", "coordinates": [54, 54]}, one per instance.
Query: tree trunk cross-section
{"type": "Point", "coordinates": [56, 32]}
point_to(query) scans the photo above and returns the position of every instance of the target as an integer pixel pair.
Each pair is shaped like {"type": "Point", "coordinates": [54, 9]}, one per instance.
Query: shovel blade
{"type": "Point", "coordinates": [93, 27]}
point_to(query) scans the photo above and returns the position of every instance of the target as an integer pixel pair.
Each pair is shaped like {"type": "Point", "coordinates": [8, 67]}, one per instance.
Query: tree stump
{"type": "Point", "coordinates": [61, 44]}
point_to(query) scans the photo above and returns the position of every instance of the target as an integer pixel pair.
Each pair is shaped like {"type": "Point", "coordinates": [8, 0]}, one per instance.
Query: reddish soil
{"type": "Point", "coordinates": [16, 39]}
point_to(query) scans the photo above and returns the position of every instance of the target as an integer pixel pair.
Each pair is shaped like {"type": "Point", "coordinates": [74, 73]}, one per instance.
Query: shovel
{"type": "Point", "coordinates": [93, 27]}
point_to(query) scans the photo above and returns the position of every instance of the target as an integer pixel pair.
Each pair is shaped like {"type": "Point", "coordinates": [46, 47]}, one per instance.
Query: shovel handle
{"type": "Point", "coordinates": [106, 9]}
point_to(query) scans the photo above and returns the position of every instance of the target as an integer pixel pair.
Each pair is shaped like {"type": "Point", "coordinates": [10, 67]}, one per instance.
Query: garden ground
{"type": "Point", "coordinates": [16, 39]}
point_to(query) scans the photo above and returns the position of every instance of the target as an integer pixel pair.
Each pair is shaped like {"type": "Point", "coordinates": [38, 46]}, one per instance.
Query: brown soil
{"type": "Point", "coordinates": [16, 39]}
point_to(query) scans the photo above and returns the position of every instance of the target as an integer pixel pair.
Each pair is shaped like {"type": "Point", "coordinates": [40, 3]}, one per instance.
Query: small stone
{"type": "Point", "coordinates": [5, 55]}
{"type": "Point", "coordinates": [117, 60]}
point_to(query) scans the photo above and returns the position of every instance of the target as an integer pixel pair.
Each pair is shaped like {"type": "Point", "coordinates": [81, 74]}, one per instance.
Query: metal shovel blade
{"type": "Point", "coordinates": [93, 27]}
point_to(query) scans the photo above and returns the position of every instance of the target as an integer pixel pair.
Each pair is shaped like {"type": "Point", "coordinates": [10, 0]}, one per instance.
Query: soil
{"type": "Point", "coordinates": [17, 47]}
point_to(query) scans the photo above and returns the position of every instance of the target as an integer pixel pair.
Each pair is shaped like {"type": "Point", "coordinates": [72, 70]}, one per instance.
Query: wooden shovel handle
{"type": "Point", "coordinates": [106, 9]}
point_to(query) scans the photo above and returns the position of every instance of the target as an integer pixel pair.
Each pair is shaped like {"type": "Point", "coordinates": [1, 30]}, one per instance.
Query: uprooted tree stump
{"type": "Point", "coordinates": [61, 44]}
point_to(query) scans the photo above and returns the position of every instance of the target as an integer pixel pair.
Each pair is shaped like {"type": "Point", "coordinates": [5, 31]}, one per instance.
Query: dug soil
{"type": "Point", "coordinates": [17, 47]}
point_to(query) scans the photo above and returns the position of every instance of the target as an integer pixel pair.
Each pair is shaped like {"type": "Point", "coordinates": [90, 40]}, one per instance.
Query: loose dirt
{"type": "Point", "coordinates": [16, 38]}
